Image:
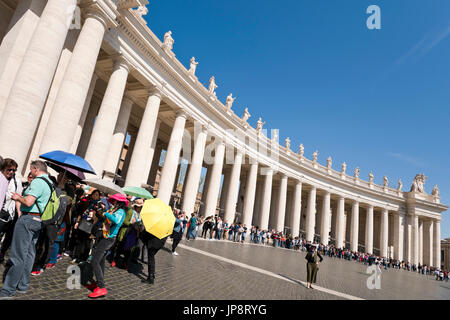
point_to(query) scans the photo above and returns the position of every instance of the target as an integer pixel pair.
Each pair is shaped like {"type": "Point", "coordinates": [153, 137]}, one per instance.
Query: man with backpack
{"type": "Point", "coordinates": [50, 226]}
{"type": "Point", "coordinates": [36, 199]}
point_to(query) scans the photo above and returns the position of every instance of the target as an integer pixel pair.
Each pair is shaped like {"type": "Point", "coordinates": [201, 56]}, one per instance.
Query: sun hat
{"type": "Point", "coordinates": [119, 197]}
{"type": "Point", "coordinates": [138, 203]}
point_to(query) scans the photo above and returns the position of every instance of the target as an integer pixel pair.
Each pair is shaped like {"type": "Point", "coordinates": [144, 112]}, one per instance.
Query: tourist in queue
{"type": "Point", "coordinates": [26, 232]}
{"type": "Point", "coordinates": [84, 227]}
{"type": "Point", "coordinates": [112, 220]}
{"type": "Point", "coordinates": [191, 227]}
{"type": "Point", "coordinates": [178, 230]}
{"type": "Point", "coordinates": [154, 244]}
{"type": "Point", "coordinates": [10, 210]}
{"type": "Point", "coordinates": [312, 265]}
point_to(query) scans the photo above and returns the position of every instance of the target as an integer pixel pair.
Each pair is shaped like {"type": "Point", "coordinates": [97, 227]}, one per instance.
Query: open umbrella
{"type": "Point", "coordinates": [158, 218]}
{"type": "Point", "coordinates": [137, 192]}
{"type": "Point", "coordinates": [104, 186]}
{"type": "Point", "coordinates": [72, 174]}
{"type": "Point", "coordinates": [68, 160]}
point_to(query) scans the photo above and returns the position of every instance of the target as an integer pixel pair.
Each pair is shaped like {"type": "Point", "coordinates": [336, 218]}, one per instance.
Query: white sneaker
{"type": "Point", "coordinates": [174, 253]}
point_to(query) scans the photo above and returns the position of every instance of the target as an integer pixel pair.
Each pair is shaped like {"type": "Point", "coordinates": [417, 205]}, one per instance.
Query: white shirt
{"type": "Point", "coordinates": [10, 204]}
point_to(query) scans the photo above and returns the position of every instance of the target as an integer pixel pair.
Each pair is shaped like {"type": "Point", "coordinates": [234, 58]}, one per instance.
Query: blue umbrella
{"type": "Point", "coordinates": [69, 160]}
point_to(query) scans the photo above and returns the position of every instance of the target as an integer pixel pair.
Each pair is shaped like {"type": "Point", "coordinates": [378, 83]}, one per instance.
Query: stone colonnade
{"type": "Point", "coordinates": [94, 123]}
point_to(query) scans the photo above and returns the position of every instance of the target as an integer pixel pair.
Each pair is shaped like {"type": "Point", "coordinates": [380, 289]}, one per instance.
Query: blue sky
{"type": "Point", "coordinates": [377, 99]}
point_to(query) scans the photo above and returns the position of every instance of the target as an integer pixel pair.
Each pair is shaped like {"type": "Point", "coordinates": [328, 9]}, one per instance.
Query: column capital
{"type": "Point", "coordinates": [155, 91]}
{"type": "Point", "coordinates": [99, 12]}
{"type": "Point", "coordinates": [121, 63]}
{"type": "Point", "coordinates": [181, 113]}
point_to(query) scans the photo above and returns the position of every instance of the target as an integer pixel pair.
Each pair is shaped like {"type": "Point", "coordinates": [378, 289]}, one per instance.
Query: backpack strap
{"type": "Point", "coordinates": [51, 191]}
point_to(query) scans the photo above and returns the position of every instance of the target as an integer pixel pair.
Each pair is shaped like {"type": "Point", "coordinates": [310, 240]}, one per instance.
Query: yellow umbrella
{"type": "Point", "coordinates": [158, 218]}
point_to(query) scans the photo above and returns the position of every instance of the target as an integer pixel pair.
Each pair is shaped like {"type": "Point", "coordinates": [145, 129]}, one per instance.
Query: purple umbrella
{"type": "Point", "coordinates": [72, 174]}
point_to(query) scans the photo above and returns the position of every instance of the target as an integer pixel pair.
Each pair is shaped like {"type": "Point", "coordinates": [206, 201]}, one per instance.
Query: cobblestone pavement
{"type": "Point", "coordinates": [197, 276]}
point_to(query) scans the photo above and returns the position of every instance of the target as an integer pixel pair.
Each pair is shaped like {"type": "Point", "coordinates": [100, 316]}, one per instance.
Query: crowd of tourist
{"type": "Point", "coordinates": [91, 227]}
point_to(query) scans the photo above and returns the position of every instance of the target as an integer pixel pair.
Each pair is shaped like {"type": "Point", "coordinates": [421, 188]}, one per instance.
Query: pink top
{"type": "Point", "coordinates": [3, 189]}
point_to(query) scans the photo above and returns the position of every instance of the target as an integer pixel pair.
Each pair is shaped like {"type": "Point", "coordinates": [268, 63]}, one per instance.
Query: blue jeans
{"type": "Point", "coordinates": [23, 252]}
{"type": "Point", "coordinates": [190, 234]}
{"type": "Point", "coordinates": [243, 236]}
{"type": "Point", "coordinates": [54, 254]}
{"type": "Point", "coordinates": [230, 235]}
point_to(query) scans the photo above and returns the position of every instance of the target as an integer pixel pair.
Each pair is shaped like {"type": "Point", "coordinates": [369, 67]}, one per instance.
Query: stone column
{"type": "Point", "coordinates": [369, 230]}
{"type": "Point", "coordinates": [214, 185]}
{"type": "Point", "coordinates": [84, 113]}
{"type": "Point", "coordinates": [32, 82]}
{"type": "Point", "coordinates": [267, 194]}
{"type": "Point", "coordinates": [142, 157]}
{"type": "Point", "coordinates": [107, 117]}
{"type": "Point", "coordinates": [281, 210]}
{"type": "Point", "coordinates": [258, 201]}
{"type": "Point", "coordinates": [205, 190]}
{"type": "Point", "coordinates": [15, 43]}
{"type": "Point", "coordinates": [399, 221]}
{"type": "Point", "coordinates": [421, 241]}
{"type": "Point", "coordinates": [88, 127]}
{"type": "Point", "coordinates": [340, 230]}
{"type": "Point", "coordinates": [354, 227]}
{"type": "Point", "coordinates": [193, 179]}
{"type": "Point", "coordinates": [415, 252]}
{"type": "Point", "coordinates": [155, 165]}
{"type": "Point", "coordinates": [297, 208]}
{"type": "Point", "coordinates": [225, 187]}
{"type": "Point", "coordinates": [437, 244]}
{"type": "Point", "coordinates": [63, 62]}
{"type": "Point", "coordinates": [428, 243]}
{"type": "Point", "coordinates": [172, 158]}
{"type": "Point", "coordinates": [384, 232]}
{"type": "Point", "coordinates": [326, 218]}
{"type": "Point", "coordinates": [74, 88]}
{"type": "Point", "coordinates": [118, 138]}
{"type": "Point", "coordinates": [232, 195]}
{"type": "Point", "coordinates": [311, 214]}
{"type": "Point", "coordinates": [126, 163]}
{"type": "Point", "coordinates": [249, 198]}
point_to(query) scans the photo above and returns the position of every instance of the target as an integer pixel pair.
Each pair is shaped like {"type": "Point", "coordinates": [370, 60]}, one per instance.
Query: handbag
{"type": "Point", "coordinates": [85, 226]}
{"type": "Point", "coordinates": [4, 215]}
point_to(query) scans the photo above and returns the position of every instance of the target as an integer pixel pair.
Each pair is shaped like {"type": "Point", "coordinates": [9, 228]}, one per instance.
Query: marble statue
{"type": "Point", "coordinates": [419, 183]}
{"type": "Point", "coordinates": [371, 177]}
{"type": "Point", "coordinates": [168, 40]}
{"type": "Point", "coordinates": [259, 125]}
{"type": "Point", "coordinates": [315, 156]}
{"type": "Point", "coordinates": [246, 116]}
{"type": "Point", "coordinates": [212, 85]}
{"type": "Point", "coordinates": [357, 171]}
{"type": "Point", "coordinates": [141, 11]}
{"type": "Point", "coordinates": [385, 181]}
{"type": "Point", "coordinates": [274, 135]}
{"type": "Point", "coordinates": [230, 101]}
{"type": "Point", "coordinates": [400, 185]}
{"type": "Point", "coordinates": [344, 168]}
{"type": "Point", "coordinates": [301, 150]}
{"type": "Point", "coordinates": [288, 143]}
{"type": "Point", "coordinates": [193, 66]}
{"type": "Point", "coordinates": [435, 191]}
{"type": "Point", "coordinates": [329, 162]}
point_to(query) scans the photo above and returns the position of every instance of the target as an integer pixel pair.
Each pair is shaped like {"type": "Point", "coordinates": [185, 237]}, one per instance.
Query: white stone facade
{"type": "Point", "coordinates": [121, 74]}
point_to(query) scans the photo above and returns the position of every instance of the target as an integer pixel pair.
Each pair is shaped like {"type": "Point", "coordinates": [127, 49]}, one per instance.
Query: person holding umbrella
{"type": "Point", "coordinates": [312, 265]}
{"type": "Point", "coordinates": [158, 220]}
{"type": "Point", "coordinates": [112, 221]}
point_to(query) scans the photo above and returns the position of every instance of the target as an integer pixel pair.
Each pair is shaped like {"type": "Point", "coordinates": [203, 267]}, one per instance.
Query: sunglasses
{"type": "Point", "coordinates": [13, 170]}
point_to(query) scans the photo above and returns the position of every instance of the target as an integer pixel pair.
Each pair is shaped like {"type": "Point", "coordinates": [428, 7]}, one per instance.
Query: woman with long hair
{"type": "Point", "coordinates": [112, 220]}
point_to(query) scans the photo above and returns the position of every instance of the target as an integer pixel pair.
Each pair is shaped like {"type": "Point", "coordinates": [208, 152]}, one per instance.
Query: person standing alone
{"type": "Point", "coordinates": [312, 265]}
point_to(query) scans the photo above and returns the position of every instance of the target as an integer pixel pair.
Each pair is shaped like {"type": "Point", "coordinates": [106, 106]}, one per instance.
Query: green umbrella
{"type": "Point", "coordinates": [137, 192]}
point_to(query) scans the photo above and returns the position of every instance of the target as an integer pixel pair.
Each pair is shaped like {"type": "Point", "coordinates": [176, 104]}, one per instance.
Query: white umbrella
{"type": "Point", "coordinates": [104, 186]}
